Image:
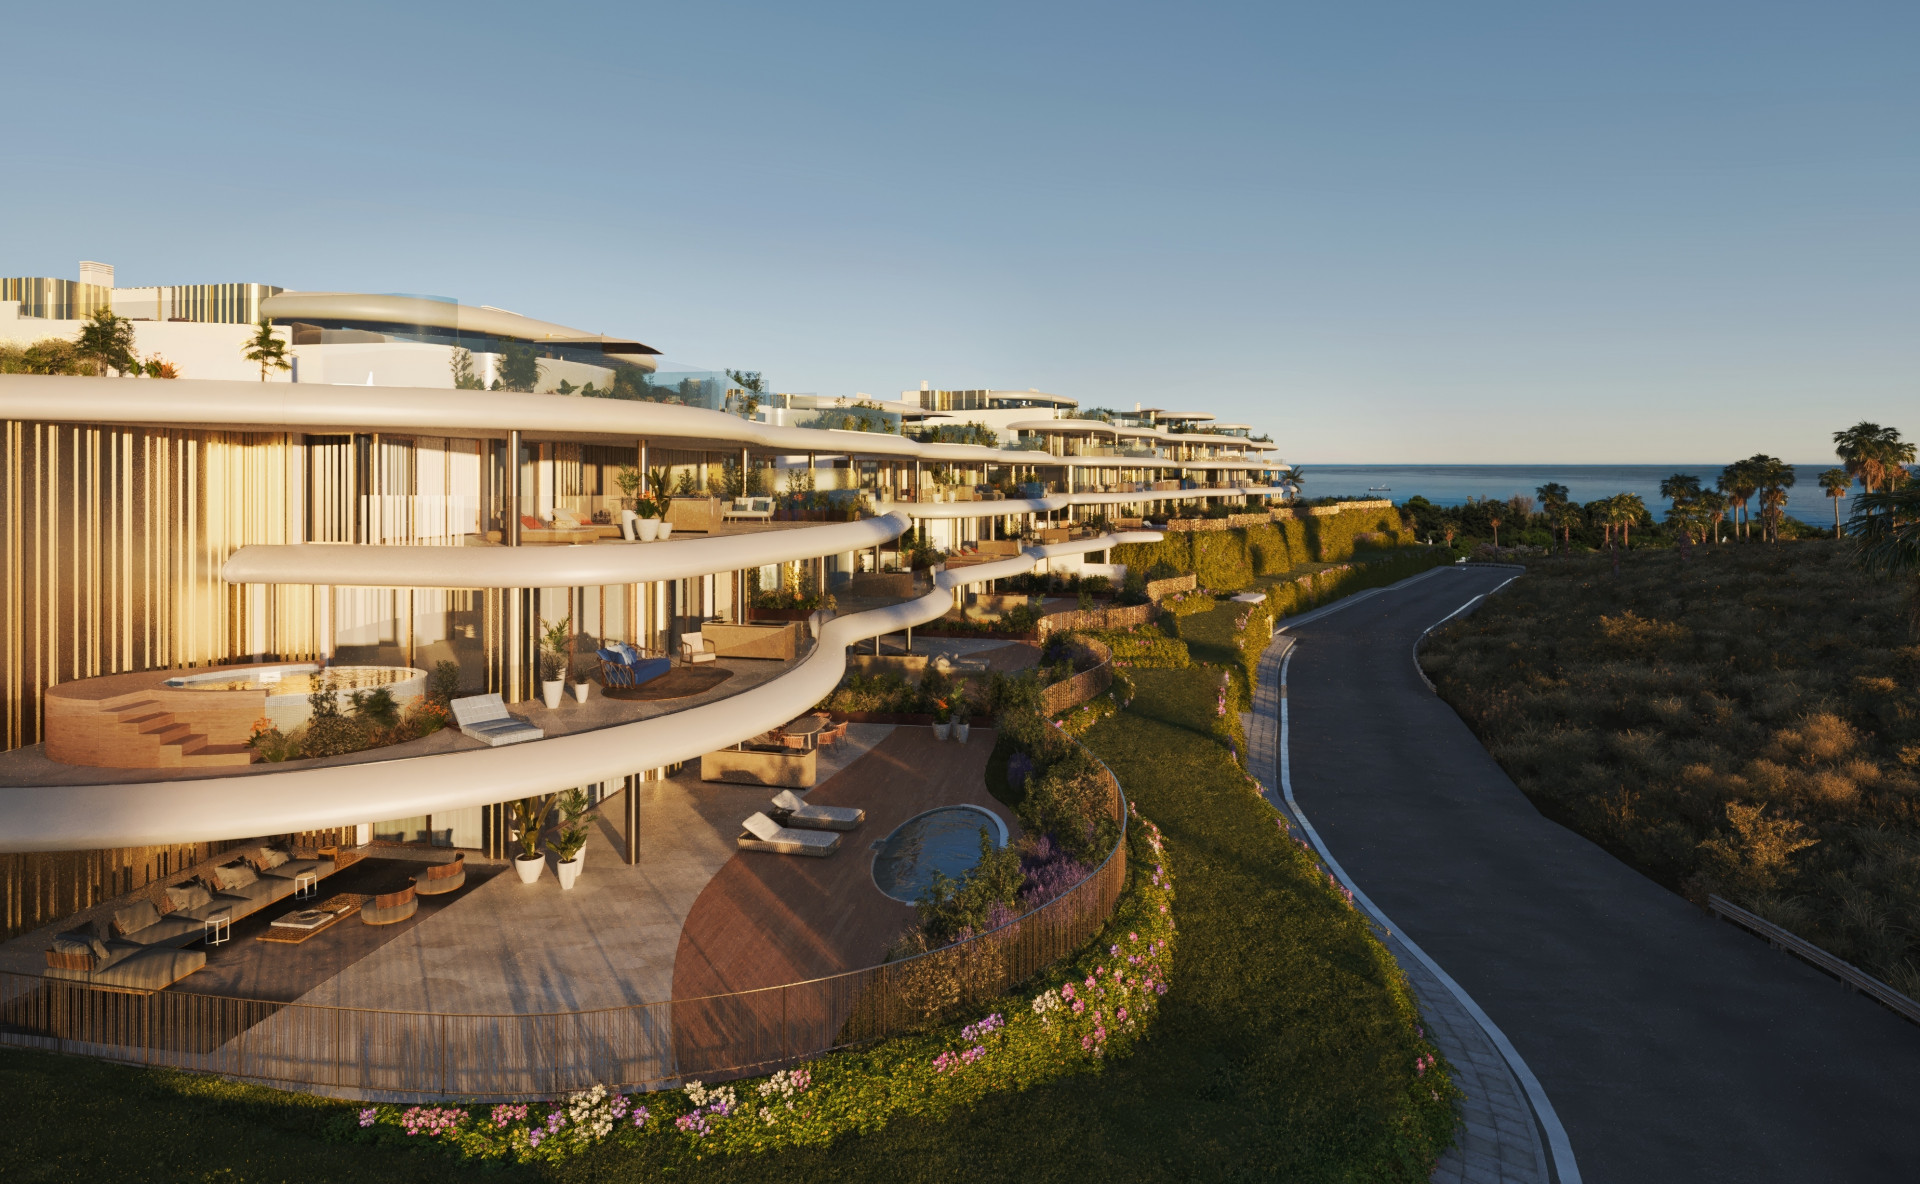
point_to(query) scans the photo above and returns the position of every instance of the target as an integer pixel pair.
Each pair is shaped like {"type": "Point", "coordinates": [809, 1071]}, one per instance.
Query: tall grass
{"type": "Point", "coordinates": [1746, 723]}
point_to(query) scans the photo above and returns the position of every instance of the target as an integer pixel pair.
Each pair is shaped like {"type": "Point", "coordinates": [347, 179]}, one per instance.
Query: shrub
{"type": "Point", "coordinates": [1145, 646]}
{"type": "Point", "coordinates": [376, 708]}
{"type": "Point", "coordinates": [1736, 723]}
{"type": "Point", "coordinates": [987, 897]}
{"type": "Point", "coordinates": [334, 735]}
{"type": "Point", "coordinates": [443, 685]}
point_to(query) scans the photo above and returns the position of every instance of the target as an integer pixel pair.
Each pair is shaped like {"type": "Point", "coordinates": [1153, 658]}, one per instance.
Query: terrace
{"type": "Point", "coordinates": [700, 960]}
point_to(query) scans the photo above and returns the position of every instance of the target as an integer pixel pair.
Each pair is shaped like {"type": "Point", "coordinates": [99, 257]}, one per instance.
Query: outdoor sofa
{"type": "Point", "coordinates": [485, 717]}
{"type": "Point", "coordinates": [761, 833]}
{"type": "Point", "coordinates": [393, 907]}
{"type": "Point", "coordinates": [123, 965]}
{"type": "Point", "coordinates": [788, 810]}
{"type": "Point", "coordinates": [624, 667]}
{"type": "Point", "coordinates": [441, 878]}
{"type": "Point", "coordinates": [750, 507]}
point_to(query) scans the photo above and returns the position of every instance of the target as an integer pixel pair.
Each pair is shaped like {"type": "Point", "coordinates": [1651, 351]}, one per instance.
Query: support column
{"type": "Point", "coordinates": [511, 535]}
{"type": "Point", "coordinates": [632, 811]}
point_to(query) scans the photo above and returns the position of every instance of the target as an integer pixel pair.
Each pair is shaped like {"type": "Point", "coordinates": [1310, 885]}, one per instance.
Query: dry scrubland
{"type": "Point", "coordinates": [1746, 723]}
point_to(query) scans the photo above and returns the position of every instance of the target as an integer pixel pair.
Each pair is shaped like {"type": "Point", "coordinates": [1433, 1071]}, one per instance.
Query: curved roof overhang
{"type": "Point", "coordinates": [441, 314]}
{"type": "Point", "coordinates": [309, 407]}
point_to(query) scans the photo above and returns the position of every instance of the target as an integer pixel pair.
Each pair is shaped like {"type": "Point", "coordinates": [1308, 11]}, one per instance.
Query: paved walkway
{"type": "Point", "coordinates": [1670, 1045]}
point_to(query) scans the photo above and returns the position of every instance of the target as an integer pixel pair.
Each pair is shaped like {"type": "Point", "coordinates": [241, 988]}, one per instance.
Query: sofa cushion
{"type": "Point", "coordinates": [288, 871]}
{"type": "Point", "coordinates": [190, 895]}
{"type": "Point", "coordinates": [266, 858]}
{"type": "Point", "coordinates": [70, 960]}
{"type": "Point", "coordinates": [135, 917]}
{"type": "Point", "coordinates": [150, 969]}
{"type": "Point", "coordinates": [234, 875]}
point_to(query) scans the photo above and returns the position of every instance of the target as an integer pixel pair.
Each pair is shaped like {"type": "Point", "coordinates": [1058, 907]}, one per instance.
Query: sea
{"type": "Point", "coordinates": [1452, 485]}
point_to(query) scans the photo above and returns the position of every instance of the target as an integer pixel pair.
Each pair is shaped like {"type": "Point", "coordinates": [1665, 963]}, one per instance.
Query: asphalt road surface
{"type": "Point", "coordinates": [1672, 1045]}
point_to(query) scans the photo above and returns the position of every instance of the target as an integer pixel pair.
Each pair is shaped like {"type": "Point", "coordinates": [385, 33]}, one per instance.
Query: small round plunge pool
{"type": "Point", "coordinates": [944, 840]}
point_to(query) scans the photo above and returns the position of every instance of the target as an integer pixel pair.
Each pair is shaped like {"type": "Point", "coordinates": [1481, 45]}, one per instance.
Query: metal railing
{"type": "Point", "coordinates": [1854, 977]}
{"type": "Point", "coordinates": [418, 1055]}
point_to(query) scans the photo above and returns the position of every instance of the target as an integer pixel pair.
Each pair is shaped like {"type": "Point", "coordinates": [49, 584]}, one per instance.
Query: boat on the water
{"type": "Point", "coordinates": [1379, 489]}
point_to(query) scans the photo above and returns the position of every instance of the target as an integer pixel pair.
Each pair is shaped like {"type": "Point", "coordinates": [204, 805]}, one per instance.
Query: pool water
{"type": "Point", "coordinates": [946, 840]}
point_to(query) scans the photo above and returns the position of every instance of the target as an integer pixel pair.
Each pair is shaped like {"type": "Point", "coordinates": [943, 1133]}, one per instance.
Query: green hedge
{"type": "Point", "coordinates": [1146, 646]}
{"type": "Point", "coordinates": [1230, 560]}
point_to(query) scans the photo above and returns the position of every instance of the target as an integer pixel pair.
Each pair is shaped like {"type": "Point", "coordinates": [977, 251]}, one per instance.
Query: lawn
{"type": "Point", "coordinates": [1744, 723]}
{"type": "Point", "coordinates": [1285, 1049]}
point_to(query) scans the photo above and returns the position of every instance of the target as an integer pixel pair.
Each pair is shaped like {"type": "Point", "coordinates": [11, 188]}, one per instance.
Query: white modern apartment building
{"type": "Point", "coordinates": [440, 482]}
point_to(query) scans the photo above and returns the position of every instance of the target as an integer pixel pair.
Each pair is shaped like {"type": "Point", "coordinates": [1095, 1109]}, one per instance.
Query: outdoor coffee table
{"type": "Point", "coordinates": [306, 885]}
{"type": "Point", "coordinates": [298, 926]}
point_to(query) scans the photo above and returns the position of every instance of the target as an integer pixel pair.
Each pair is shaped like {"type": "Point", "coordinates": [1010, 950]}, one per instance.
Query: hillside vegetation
{"type": "Point", "coordinates": [1745, 723]}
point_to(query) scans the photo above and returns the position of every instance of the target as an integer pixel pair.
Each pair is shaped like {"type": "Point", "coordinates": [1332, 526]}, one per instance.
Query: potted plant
{"type": "Point", "coordinates": [530, 817]}
{"type": "Point", "coordinates": [942, 719]}
{"type": "Point", "coordinates": [575, 811]}
{"type": "Point", "coordinates": [962, 718]}
{"type": "Point", "coordinates": [628, 478]}
{"type": "Point", "coordinates": [554, 644]}
{"type": "Point", "coordinates": [569, 849]}
{"type": "Point", "coordinates": [651, 508]}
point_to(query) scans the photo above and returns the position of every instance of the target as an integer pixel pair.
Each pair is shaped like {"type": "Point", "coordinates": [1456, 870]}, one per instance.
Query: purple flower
{"type": "Point", "coordinates": [368, 1115]}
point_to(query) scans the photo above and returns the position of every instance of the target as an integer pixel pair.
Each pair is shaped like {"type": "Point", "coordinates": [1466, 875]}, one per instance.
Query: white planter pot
{"type": "Point", "coordinates": [568, 872]}
{"type": "Point", "coordinates": [551, 692]}
{"type": "Point", "coordinates": [581, 690]}
{"type": "Point", "coordinates": [649, 529]}
{"type": "Point", "coordinates": [666, 530]}
{"type": "Point", "coordinates": [529, 869]}
{"type": "Point", "coordinates": [960, 732]}
{"type": "Point", "coordinates": [940, 731]}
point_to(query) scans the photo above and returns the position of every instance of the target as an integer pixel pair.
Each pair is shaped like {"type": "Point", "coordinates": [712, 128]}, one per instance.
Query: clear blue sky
{"type": "Point", "coordinates": [1473, 232]}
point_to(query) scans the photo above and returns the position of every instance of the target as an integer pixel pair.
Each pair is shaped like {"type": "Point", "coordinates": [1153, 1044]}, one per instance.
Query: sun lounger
{"type": "Point", "coordinates": [764, 834]}
{"type": "Point", "coordinates": [789, 810]}
{"type": "Point", "coordinates": [485, 717]}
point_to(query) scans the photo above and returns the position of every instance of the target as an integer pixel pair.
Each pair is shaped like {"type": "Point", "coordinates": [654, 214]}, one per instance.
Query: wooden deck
{"type": "Point", "coordinates": [768, 919]}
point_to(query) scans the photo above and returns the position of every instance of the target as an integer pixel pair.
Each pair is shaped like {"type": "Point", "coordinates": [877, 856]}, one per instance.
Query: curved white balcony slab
{"type": "Point", "coordinates": [367, 565]}
{"type": "Point", "coordinates": [311, 407]}
{"type": "Point", "coordinates": [128, 814]}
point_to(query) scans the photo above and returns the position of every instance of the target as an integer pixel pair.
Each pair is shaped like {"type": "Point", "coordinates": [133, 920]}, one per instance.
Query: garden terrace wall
{"type": "Point", "coordinates": [425, 1056]}
{"type": "Point", "coordinates": [1158, 590]}
{"type": "Point", "coordinates": [1066, 695]}
{"type": "Point", "coordinates": [1125, 617]}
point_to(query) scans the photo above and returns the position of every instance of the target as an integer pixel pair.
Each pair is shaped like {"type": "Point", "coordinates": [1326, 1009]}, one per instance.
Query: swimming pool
{"type": "Point", "coordinates": [945, 840]}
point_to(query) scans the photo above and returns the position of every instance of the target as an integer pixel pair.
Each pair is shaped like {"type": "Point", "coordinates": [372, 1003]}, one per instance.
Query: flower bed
{"type": "Point", "coordinates": [1094, 1008]}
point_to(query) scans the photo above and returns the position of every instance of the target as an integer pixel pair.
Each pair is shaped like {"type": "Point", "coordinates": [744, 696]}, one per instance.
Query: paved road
{"type": "Point", "coordinates": [1672, 1046]}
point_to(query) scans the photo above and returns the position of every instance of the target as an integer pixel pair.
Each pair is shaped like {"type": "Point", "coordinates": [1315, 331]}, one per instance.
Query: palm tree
{"type": "Point", "coordinates": [1681, 487]}
{"type": "Point", "coordinates": [1493, 520]}
{"type": "Point", "coordinates": [1885, 529]}
{"type": "Point", "coordinates": [1855, 447]}
{"type": "Point", "coordinates": [106, 341]}
{"type": "Point", "coordinates": [1566, 516]}
{"type": "Point", "coordinates": [263, 347]}
{"type": "Point", "coordinates": [1836, 482]}
{"type": "Point", "coordinates": [1633, 512]}
{"type": "Point", "coordinates": [1685, 517]}
{"type": "Point", "coordinates": [1737, 482]}
{"type": "Point", "coordinates": [1774, 477]}
{"type": "Point", "coordinates": [1551, 494]}
{"type": "Point", "coordinates": [1713, 506]}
